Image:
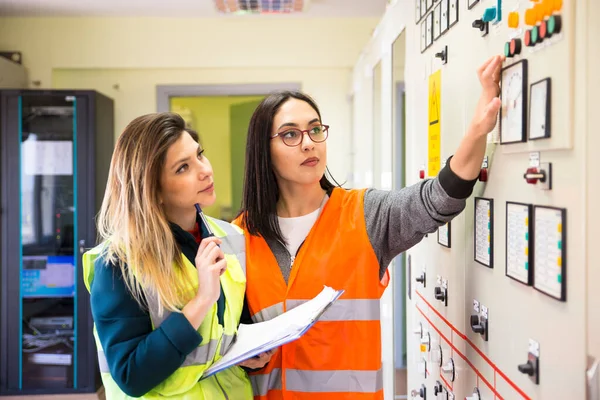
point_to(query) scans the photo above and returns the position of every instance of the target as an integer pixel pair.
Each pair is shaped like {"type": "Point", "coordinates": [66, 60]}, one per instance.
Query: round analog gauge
{"type": "Point", "coordinates": [514, 100]}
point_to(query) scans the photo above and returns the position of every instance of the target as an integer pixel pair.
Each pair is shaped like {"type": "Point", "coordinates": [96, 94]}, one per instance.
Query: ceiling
{"type": "Point", "coordinates": [176, 8]}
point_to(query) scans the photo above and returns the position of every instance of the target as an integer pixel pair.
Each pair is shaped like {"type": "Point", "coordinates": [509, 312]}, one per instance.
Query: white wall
{"type": "Point", "coordinates": [138, 54]}
{"type": "Point", "coordinates": [517, 312]}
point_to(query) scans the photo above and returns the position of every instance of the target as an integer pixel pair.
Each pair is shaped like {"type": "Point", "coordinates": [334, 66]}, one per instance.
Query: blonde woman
{"type": "Point", "coordinates": [166, 296]}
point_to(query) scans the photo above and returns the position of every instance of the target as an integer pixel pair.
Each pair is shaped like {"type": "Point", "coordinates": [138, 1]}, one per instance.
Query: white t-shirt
{"type": "Point", "coordinates": [296, 229]}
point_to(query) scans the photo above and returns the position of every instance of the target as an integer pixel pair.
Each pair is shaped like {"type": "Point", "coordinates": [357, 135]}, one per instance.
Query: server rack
{"type": "Point", "coordinates": [55, 149]}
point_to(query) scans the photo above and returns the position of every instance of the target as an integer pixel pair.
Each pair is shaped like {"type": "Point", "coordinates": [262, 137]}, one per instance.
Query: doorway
{"type": "Point", "coordinates": [398, 182]}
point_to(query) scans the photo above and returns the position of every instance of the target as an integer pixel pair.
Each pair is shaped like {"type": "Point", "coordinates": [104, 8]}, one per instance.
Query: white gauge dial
{"type": "Point", "coordinates": [539, 110]}
{"type": "Point", "coordinates": [514, 99]}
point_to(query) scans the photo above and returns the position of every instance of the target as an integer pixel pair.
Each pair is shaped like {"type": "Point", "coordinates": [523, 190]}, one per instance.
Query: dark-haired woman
{"type": "Point", "coordinates": [302, 232]}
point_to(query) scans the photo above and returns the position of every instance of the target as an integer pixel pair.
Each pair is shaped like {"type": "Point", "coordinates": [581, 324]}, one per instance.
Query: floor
{"type": "Point", "coordinates": [90, 396]}
{"type": "Point", "coordinates": [400, 385]}
{"type": "Point", "coordinates": [400, 389]}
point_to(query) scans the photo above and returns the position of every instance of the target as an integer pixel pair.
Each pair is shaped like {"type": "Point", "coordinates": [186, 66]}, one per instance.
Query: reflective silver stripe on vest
{"type": "Point", "coordinates": [227, 342]}
{"type": "Point", "coordinates": [333, 381]}
{"type": "Point", "coordinates": [202, 354]}
{"type": "Point", "coordinates": [102, 362]}
{"type": "Point", "coordinates": [346, 310]}
{"type": "Point", "coordinates": [261, 384]}
{"type": "Point", "coordinates": [268, 313]}
{"type": "Point", "coordinates": [233, 243]}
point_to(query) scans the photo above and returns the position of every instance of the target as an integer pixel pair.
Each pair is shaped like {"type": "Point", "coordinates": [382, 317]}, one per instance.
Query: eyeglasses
{"type": "Point", "coordinates": [293, 137]}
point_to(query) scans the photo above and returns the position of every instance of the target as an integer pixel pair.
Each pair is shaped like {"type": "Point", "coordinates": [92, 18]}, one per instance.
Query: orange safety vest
{"type": "Point", "coordinates": [340, 356]}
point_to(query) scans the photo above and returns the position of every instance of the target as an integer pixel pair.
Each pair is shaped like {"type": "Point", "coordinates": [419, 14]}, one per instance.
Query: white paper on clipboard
{"type": "Point", "coordinates": [258, 338]}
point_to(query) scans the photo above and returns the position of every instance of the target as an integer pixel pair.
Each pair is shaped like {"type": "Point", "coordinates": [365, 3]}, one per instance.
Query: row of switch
{"type": "Point", "coordinates": [534, 36]}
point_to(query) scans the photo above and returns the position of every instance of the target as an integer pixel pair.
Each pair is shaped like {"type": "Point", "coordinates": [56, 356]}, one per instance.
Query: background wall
{"type": "Point", "coordinates": [211, 119]}
{"type": "Point", "coordinates": [125, 58]}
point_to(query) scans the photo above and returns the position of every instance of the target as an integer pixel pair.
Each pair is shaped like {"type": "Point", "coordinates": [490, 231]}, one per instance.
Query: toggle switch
{"type": "Point", "coordinates": [419, 330]}
{"type": "Point", "coordinates": [482, 26]}
{"type": "Point", "coordinates": [443, 55]}
{"type": "Point", "coordinates": [480, 325]}
{"type": "Point", "coordinates": [528, 368]}
{"type": "Point", "coordinates": [419, 393]}
{"type": "Point", "coordinates": [441, 294]}
{"type": "Point", "coordinates": [448, 369]}
{"type": "Point", "coordinates": [541, 174]}
{"type": "Point", "coordinates": [438, 388]}
{"type": "Point", "coordinates": [532, 367]}
{"type": "Point", "coordinates": [483, 175]}
{"type": "Point", "coordinates": [422, 279]}
{"type": "Point", "coordinates": [483, 172]}
{"type": "Point", "coordinates": [475, 395]}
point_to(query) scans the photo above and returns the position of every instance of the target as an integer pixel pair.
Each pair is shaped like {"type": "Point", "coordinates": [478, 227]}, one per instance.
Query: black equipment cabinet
{"type": "Point", "coordinates": [55, 149]}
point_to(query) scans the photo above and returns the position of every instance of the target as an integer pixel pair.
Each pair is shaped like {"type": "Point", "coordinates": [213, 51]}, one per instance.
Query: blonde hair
{"type": "Point", "coordinates": [132, 223]}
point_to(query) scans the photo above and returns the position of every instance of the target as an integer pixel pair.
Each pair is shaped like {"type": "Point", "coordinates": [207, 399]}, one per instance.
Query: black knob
{"type": "Point", "coordinates": [527, 368]}
{"type": "Point", "coordinates": [479, 24]}
{"type": "Point", "coordinates": [423, 391]}
{"type": "Point", "coordinates": [421, 279]}
{"type": "Point", "coordinates": [437, 389]}
{"type": "Point", "coordinates": [442, 55]}
{"type": "Point", "coordinates": [439, 294]}
{"type": "Point", "coordinates": [476, 326]}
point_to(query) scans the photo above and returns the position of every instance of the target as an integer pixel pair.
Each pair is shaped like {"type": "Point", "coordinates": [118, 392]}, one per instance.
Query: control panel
{"type": "Point", "coordinates": [506, 277]}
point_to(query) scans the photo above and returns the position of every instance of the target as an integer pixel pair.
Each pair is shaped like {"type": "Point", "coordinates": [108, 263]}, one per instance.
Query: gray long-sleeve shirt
{"type": "Point", "coordinates": [397, 220]}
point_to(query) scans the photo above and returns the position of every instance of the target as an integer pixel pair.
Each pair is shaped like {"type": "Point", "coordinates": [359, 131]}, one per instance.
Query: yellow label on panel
{"type": "Point", "coordinates": [559, 228]}
{"type": "Point", "coordinates": [423, 348]}
{"type": "Point", "coordinates": [526, 251]}
{"type": "Point", "coordinates": [435, 122]}
{"type": "Point", "coordinates": [559, 261]}
{"type": "Point", "coordinates": [526, 221]}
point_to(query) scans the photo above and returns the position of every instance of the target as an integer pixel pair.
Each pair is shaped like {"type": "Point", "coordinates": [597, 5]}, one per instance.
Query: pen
{"type": "Point", "coordinates": [206, 226]}
{"type": "Point", "coordinates": [204, 221]}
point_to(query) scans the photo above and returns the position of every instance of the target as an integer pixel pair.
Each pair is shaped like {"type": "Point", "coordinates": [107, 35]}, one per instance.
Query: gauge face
{"type": "Point", "coordinates": [423, 36]}
{"type": "Point", "coordinates": [453, 12]}
{"type": "Point", "coordinates": [444, 17]}
{"type": "Point", "coordinates": [417, 10]}
{"type": "Point", "coordinates": [429, 29]}
{"type": "Point", "coordinates": [514, 101]}
{"type": "Point", "coordinates": [437, 12]}
{"type": "Point", "coordinates": [539, 109]}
